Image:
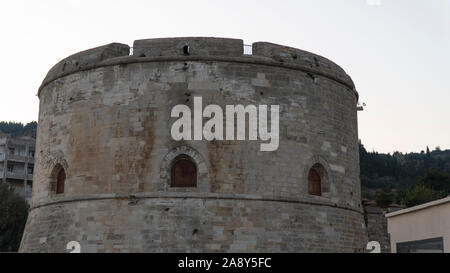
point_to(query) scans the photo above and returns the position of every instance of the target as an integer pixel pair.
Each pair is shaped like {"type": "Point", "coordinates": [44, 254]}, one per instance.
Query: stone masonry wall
{"type": "Point", "coordinates": [108, 124]}
{"type": "Point", "coordinates": [377, 227]}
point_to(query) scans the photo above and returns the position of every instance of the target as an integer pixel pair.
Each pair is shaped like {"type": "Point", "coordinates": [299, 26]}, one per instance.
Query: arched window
{"type": "Point", "coordinates": [60, 181]}
{"type": "Point", "coordinates": [183, 172]}
{"type": "Point", "coordinates": [314, 182]}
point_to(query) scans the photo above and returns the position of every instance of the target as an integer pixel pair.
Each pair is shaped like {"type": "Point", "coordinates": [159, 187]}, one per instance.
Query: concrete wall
{"type": "Point", "coordinates": [20, 161]}
{"type": "Point", "coordinates": [108, 124]}
{"type": "Point", "coordinates": [427, 221]}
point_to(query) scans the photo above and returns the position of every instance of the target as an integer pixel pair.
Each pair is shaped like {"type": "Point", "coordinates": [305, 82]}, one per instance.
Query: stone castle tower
{"type": "Point", "coordinates": [109, 175]}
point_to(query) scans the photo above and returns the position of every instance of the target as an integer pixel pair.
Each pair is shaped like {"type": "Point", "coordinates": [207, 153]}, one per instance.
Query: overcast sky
{"type": "Point", "coordinates": [396, 51]}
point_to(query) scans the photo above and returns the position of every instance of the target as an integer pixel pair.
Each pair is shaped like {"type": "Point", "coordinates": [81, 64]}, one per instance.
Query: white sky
{"type": "Point", "coordinates": [396, 51]}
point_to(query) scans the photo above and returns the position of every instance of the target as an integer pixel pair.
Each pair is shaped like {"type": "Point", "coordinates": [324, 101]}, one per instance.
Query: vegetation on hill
{"type": "Point", "coordinates": [13, 216]}
{"type": "Point", "coordinates": [407, 179]}
{"type": "Point", "coordinates": [18, 129]}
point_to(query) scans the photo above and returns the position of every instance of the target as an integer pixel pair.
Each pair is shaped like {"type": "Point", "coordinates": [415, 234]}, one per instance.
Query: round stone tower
{"type": "Point", "coordinates": [109, 174]}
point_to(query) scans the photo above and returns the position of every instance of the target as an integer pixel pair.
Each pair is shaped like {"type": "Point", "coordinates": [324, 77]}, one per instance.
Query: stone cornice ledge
{"type": "Point", "coordinates": [321, 201]}
{"type": "Point", "coordinates": [242, 59]}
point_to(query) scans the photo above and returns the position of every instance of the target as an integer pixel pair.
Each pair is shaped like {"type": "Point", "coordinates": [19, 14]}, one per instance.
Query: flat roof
{"type": "Point", "coordinates": [419, 207]}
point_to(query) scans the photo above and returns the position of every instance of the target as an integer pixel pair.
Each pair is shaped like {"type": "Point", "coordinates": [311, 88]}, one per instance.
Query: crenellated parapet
{"type": "Point", "coordinates": [87, 59]}
{"type": "Point", "coordinates": [297, 57]}
{"type": "Point", "coordinates": [189, 46]}
{"type": "Point", "coordinates": [200, 49]}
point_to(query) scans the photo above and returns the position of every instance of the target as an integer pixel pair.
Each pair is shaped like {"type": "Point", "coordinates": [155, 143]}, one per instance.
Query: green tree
{"type": "Point", "coordinates": [384, 198]}
{"type": "Point", "coordinates": [399, 196]}
{"type": "Point", "coordinates": [420, 194]}
{"type": "Point", "coordinates": [18, 129]}
{"type": "Point", "coordinates": [437, 180]}
{"type": "Point", "coordinates": [366, 194]}
{"type": "Point", "coordinates": [13, 216]}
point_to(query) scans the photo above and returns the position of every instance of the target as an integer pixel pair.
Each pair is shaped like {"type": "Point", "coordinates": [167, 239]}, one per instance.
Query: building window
{"type": "Point", "coordinates": [11, 151]}
{"type": "Point", "coordinates": [60, 181]}
{"type": "Point", "coordinates": [183, 172]}
{"type": "Point", "coordinates": [434, 245]}
{"type": "Point", "coordinates": [10, 168]}
{"type": "Point", "coordinates": [31, 154]}
{"type": "Point", "coordinates": [315, 179]}
{"type": "Point", "coordinates": [30, 169]}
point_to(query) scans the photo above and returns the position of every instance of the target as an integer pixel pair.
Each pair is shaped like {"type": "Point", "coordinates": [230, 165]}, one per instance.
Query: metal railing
{"type": "Point", "coordinates": [248, 49]}
{"type": "Point", "coordinates": [16, 175]}
{"type": "Point", "coordinates": [17, 158]}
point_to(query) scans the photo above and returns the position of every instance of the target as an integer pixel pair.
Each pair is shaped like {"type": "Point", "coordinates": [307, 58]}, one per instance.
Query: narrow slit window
{"type": "Point", "coordinates": [186, 50]}
{"type": "Point", "coordinates": [60, 181]}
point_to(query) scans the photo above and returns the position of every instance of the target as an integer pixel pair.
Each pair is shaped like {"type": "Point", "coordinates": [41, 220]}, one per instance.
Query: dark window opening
{"type": "Point", "coordinates": [183, 172]}
{"type": "Point", "coordinates": [314, 182]}
{"type": "Point", "coordinates": [186, 50]}
{"type": "Point", "coordinates": [434, 245]}
{"type": "Point", "coordinates": [60, 181]}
